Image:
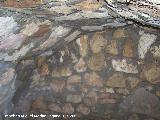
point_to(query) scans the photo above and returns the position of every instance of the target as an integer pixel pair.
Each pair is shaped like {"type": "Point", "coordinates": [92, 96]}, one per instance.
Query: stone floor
{"type": "Point", "coordinates": [87, 66]}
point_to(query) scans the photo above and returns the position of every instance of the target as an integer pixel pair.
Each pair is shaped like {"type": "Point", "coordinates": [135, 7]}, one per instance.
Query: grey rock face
{"type": "Point", "coordinates": [144, 11]}
{"type": "Point", "coordinates": [143, 102]}
{"type": "Point", "coordinates": [7, 89]}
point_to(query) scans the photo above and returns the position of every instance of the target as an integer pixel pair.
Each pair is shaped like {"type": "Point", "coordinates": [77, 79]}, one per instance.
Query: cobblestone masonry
{"type": "Point", "coordinates": [74, 58]}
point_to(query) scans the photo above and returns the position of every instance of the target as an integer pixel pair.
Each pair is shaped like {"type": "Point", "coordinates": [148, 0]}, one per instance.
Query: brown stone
{"type": "Point", "coordinates": [84, 110]}
{"type": "Point", "coordinates": [42, 66]}
{"type": "Point", "coordinates": [54, 107]}
{"type": "Point", "coordinates": [84, 88]}
{"type": "Point", "coordinates": [116, 80]}
{"type": "Point", "coordinates": [58, 86]}
{"type": "Point", "coordinates": [46, 44]}
{"type": "Point", "coordinates": [158, 93]}
{"type": "Point", "coordinates": [88, 102]}
{"type": "Point", "coordinates": [73, 98]}
{"type": "Point", "coordinates": [39, 104]}
{"type": "Point", "coordinates": [151, 73]}
{"type": "Point", "coordinates": [89, 5]}
{"type": "Point", "coordinates": [41, 61]}
{"type": "Point", "coordinates": [63, 71]}
{"type": "Point", "coordinates": [68, 108]}
{"type": "Point", "coordinates": [93, 79]}
{"type": "Point", "coordinates": [128, 50]}
{"type": "Point", "coordinates": [21, 4]}
{"type": "Point", "coordinates": [108, 101]}
{"type": "Point", "coordinates": [119, 33]}
{"type": "Point", "coordinates": [105, 98]}
{"type": "Point", "coordinates": [80, 66]}
{"type": "Point", "coordinates": [133, 82]}
{"type": "Point", "coordinates": [97, 62]}
{"type": "Point", "coordinates": [74, 79]}
{"type": "Point", "coordinates": [30, 29]}
{"type": "Point", "coordinates": [83, 45]}
{"type": "Point", "coordinates": [112, 47]}
{"type": "Point", "coordinates": [42, 30]}
{"type": "Point", "coordinates": [44, 70]}
{"type": "Point", "coordinates": [92, 95]}
{"type": "Point", "coordinates": [122, 91]}
{"type": "Point", "coordinates": [73, 83]}
{"type": "Point", "coordinates": [73, 87]}
{"type": "Point", "coordinates": [97, 43]}
{"type": "Point", "coordinates": [62, 9]}
{"type": "Point", "coordinates": [91, 98]}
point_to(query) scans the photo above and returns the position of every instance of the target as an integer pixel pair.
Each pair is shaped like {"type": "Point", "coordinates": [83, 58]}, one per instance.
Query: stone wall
{"type": "Point", "coordinates": [82, 61]}
{"type": "Point", "coordinates": [106, 74]}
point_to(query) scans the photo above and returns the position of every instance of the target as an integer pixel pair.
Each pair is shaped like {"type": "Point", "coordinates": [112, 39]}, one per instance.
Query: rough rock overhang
{"type": "Point", "coordinates": [146, 12]}
{"type": "Point", "coordinates": [66, 20]}
{"type": "Point", "coordinates": [70, 18]}
{"type": "Point", "coordinates": [143, 11]}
